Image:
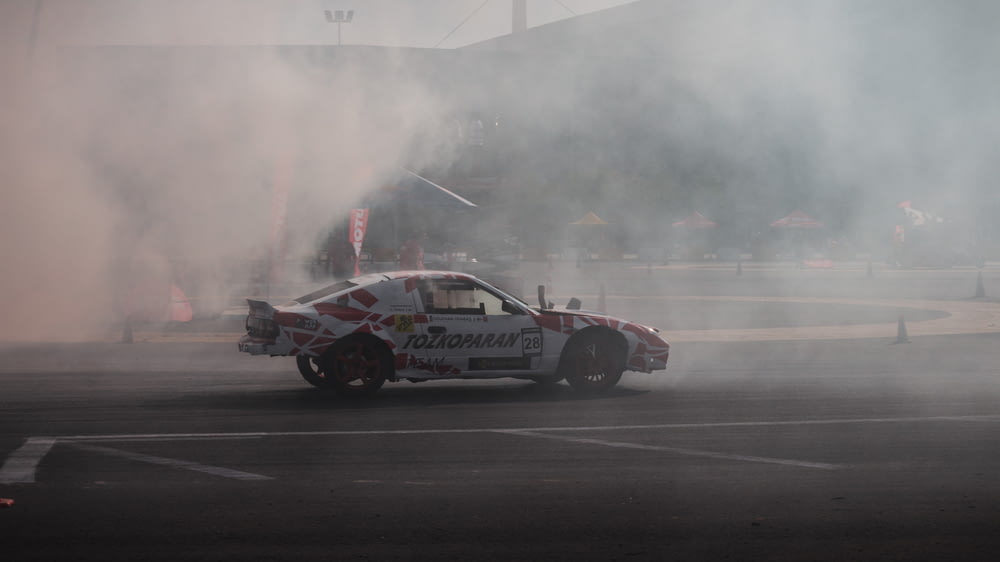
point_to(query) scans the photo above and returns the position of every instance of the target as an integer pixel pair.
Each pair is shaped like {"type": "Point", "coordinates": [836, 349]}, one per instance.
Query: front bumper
{"type": "Point", "coordinates": [658, 363]}
{"type": "Point", "coordinates": [648, 363]}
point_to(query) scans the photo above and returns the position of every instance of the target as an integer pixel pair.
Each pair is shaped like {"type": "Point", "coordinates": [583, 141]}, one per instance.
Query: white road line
{"type": "Point", "coordinates": [987, 419]}
{"type": "Point", "coordinates": [173, 463]}
{"type": "Point", "coordinates": [833, 421]}
{"type": "Point", "coordinates": [164, 437]}
{"type": "Point", "coordinates": [681, 451]}
{"type": "Point", "coordinates": [258, 434]}
{"type": "Point", "coordinates": [21, 465]}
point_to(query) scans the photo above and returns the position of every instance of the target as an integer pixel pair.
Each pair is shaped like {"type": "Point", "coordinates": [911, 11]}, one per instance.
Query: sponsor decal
{"type": "Point", "coordinates": [462, 341]}
{"type": "Point", "coordinates": [438, 366]}
{"type": "Point", "coordinates": [306, 323]}
{"type": "Point", "coordinates": [458, 318]}
{"type": "Point", "coordinates": [499, 363]}
{"type": "Point", "coordinates": [404, 323]}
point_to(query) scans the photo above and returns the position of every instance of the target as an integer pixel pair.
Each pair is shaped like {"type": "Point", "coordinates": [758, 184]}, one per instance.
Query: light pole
{"type": "Point", "coordinates": [29, 54]}
{"type": "Point", "coordinates": [338, 17]}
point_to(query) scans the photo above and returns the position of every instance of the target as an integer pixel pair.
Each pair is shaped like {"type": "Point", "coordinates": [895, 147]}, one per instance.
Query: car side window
{"type": "Point", "coordinates": [455, 296]}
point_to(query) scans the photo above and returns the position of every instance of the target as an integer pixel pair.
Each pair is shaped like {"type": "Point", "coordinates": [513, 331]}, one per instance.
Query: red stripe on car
{"type": "Point", "coordinates": [364, 297]}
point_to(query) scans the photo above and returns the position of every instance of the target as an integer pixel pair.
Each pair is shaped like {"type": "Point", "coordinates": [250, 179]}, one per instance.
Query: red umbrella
{"type": "Point", "coordinates": [797, 219]}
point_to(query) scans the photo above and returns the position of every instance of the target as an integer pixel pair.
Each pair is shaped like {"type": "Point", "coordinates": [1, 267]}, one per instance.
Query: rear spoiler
{"type": "Point", "coordinates": [573, 304]}
{"type": "Point", "coordinates": [260, 309]}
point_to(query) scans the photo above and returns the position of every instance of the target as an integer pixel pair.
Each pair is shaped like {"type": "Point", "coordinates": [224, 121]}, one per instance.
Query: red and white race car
{"type": "Point", "coordinates": [427, 325]}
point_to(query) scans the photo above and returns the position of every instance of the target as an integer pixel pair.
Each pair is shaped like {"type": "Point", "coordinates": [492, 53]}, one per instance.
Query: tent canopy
{"type": "Point", "coordinates": [590, 218]}
{"type": "Point", "coordinates": [797, 219]}
{"type": "Point", "coordinates": [695, 220]}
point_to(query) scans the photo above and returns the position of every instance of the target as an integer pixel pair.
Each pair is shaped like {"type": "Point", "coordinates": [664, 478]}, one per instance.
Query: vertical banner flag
{"type": "Point", "coordinates": [284, 174]}
{"type": "Point", "coordinates": [356, 234]}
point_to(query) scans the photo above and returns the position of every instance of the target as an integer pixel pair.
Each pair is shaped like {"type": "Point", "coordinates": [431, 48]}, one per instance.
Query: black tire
{"type": "Point", "coordinates": [311, 371]}
{"type": "Point", "coordinates": [357, 366]}
{"type": "Point", "coordinates": [592, 362]}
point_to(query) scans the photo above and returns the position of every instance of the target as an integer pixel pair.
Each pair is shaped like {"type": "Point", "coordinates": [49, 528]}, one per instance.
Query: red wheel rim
{"type": "Point", "coordinates": [358, 366]}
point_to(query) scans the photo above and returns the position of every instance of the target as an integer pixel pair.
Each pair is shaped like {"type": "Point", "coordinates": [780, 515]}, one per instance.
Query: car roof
{"type": "Point", "coordinates": [411, 274]}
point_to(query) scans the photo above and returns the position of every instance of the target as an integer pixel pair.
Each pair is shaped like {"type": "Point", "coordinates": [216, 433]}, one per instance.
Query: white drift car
{"type": "Point", "coordinates": [355, 335]}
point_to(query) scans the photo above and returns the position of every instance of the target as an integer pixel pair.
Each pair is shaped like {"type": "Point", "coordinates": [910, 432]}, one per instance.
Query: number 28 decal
{"type": "Point", "coordinates": [531, 341]}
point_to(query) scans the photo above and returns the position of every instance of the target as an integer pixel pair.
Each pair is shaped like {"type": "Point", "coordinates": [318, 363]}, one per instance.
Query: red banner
{"type": "Point", "coordinates": [356, 234]}
{"type": "Point", "coordinates": [284, 174]}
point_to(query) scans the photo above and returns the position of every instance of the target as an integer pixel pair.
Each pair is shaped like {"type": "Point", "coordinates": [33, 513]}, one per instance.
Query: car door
{"type": "Point", "coordinates": [471, 330]}
{"type": "Point", "coordinates": [403, 325]}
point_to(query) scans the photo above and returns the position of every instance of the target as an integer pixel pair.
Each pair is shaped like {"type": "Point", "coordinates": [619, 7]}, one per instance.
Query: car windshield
{"type": "Point", "coordinates": [322, 293]}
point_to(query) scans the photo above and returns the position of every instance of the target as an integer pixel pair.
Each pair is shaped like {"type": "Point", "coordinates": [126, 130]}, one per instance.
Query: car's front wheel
{"type": "Point", "coordinates": [357, 365]}
{"type": "Point", "coordinates": [592, 362]}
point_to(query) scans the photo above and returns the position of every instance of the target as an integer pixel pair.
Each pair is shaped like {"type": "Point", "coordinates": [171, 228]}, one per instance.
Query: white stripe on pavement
{"type": "Point", "coordinates": [21, 465]}
{"type": "Point", "coordinates": [682, 425]}
{"type": "Point", "coordinates": [173, 463]}
{"type": "Point", "coordinates": [680, 451]}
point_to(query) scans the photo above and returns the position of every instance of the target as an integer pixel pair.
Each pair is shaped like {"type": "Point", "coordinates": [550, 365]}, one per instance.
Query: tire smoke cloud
{"type": "Point", "coordinates": [127, 168]}
{"type": "Point", "coordinates": [166, 147]}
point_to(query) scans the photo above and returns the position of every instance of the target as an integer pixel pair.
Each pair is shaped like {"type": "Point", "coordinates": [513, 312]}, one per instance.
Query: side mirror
{"type": "Point", "coordinates": [573, 304]}
{"type": "Point", "coordinates": [541, 296]}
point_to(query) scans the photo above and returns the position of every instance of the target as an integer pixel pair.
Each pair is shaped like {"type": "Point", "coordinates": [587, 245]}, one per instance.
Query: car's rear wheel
{"type": "Point", "coordinates": [357, 366]}
{"type": "Point", "coordinates": [592, 362]}
{"type": "Point", "coordinates": [311, 371]}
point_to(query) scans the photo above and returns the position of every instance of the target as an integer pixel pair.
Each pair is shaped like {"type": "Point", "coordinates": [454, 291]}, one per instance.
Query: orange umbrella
{"type": "Point", "coordinates": [696, 220]}
{"type": "Point", "coordinates": [797, 219]}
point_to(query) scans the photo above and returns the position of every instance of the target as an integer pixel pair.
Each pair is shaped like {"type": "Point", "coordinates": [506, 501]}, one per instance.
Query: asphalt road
{"type": "Point", "coordinates": [747, 447]}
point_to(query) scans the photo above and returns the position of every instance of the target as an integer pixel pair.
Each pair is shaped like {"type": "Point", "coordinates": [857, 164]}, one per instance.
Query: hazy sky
{"type": "Point", "coordinates": [409, 23]}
